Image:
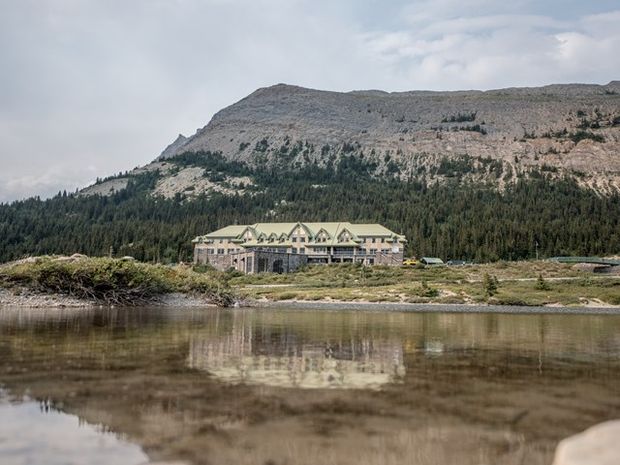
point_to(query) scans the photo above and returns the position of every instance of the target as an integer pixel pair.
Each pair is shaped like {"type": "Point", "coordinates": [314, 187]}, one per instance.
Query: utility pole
{"type": "Point", "coordinates": [536, 242]}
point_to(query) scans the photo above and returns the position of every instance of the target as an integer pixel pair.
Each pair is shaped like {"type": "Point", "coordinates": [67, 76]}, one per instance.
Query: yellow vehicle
{"type": "Point", "coordinates": [410, 262]}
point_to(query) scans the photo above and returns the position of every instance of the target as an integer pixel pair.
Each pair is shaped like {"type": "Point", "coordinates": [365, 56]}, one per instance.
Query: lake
{"type": "Point", "coordinates": [291, 386]}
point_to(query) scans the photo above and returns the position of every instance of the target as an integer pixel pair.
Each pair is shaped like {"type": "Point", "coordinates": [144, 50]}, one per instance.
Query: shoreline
{"type": "Point", "coordinates": [32, 300]}
{"type": "Point", "coordinates": [433, 307]}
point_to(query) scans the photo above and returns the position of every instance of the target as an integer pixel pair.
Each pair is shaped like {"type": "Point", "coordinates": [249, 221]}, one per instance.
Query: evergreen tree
{"type": "Point", "coordinates": [541, 284]}
{"type": "Point", "coordinates": [490, 284]}
{"type": "Point", "coordinates": [449, 220]}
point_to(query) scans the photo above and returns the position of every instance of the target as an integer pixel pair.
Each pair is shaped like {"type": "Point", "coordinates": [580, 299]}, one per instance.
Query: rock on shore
{"type": "Point", "coordinates": [598, 445]}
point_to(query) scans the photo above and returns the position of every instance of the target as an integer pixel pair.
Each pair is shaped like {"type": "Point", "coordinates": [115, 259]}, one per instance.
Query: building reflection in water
{"type": "Point", "coordinates": [279, 357]}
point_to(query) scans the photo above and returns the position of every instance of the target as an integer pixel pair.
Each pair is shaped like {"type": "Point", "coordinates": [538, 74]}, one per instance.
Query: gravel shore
{"type": "Point", "coordinates": [427, 308]}
{"type": "Point", "coordinates": [25, 298]}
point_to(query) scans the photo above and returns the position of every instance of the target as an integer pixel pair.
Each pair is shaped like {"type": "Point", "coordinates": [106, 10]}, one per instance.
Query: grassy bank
{"type": "Point", "coordinates": [503, 283]}
{"type": "Point", "coordinates": [111, 281]}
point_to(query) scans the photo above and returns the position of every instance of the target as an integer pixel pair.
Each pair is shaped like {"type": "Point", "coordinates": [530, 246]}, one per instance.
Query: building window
{"type": "Point", "coordinates": [220, 251]}
{"type": "Point", "coordinates": [383, 240]}
{"type": "Point", "coordinates": [294, 239]}
{"type": "Point", "coordinates": [373, 240]}
{"type": "Point", "coordinates": [373, 251]}
{"type": "Point", "coordinates": [302, 250]}
{"type": "Point", "coordinates": [209, 251]}
{"type": "Point", "coordinates": [294, 250]}
{"type": "Point", "coordinates": [302, 239]}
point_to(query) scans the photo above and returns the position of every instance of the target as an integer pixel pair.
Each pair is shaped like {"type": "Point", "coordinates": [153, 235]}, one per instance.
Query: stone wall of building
{"type": "Point", "coordinates": [200, 254]}
{"type": "Point", "coordinates": [252, 261]}
{"type": "Point", "coordinates": [257, 261]}
{"type": "Point", "coordinates": [220, 262]}
{"type": "Point", "coordinates": [391, 259]}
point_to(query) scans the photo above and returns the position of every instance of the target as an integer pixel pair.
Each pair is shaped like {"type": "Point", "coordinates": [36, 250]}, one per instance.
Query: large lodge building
{"type": "Point", "coordinates": [284, 247]}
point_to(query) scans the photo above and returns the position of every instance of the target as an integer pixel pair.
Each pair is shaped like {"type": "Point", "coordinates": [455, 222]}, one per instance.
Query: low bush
{"type": "Point", "coordinates": [113, 281]}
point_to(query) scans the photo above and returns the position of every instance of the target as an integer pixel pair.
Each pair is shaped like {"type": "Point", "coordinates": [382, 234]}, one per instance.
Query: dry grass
{"type": "Point", "coordinates": [464, 285]}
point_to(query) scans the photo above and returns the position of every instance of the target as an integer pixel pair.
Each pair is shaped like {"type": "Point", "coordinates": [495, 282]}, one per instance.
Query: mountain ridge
{"type": "Point", "coordinates": [569, 127]}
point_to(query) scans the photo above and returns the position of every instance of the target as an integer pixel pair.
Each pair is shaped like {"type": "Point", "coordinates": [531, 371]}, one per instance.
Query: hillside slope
{"type": "Point", "coordinates": [469, 175]}
{"type": "Point", "coordinates": [559, 128]}
{"type": "Point", "coordinates": [494, 137]}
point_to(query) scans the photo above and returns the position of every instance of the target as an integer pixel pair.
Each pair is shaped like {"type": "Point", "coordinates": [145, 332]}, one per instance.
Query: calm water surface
{"type": "Point", "coordinates": [278, 386]}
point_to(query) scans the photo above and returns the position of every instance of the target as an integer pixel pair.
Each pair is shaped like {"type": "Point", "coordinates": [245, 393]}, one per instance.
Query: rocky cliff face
{"type": "Point", "coordinates": [560, 129]}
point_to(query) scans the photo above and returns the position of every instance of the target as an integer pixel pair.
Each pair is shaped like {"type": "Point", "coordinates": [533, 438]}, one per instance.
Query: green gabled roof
{"type": "Point", "coordinates": [333, 229]}
{"type": "Point", "coordinates": [330, 228]}
{"type": "Point", "coordinates": [277, 228]}
{"type": "Point", "coordinates": [228, 231]}
{"type": "Point", "coordinates": [370, 230]}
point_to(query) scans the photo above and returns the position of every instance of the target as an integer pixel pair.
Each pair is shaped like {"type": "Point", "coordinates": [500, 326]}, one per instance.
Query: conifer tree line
{"type": "Point", "coordinates": [450, 220]}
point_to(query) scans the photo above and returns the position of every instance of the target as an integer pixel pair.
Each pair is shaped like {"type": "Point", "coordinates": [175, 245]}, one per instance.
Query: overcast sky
{"type": "Point", "coordinates": [92, 87]}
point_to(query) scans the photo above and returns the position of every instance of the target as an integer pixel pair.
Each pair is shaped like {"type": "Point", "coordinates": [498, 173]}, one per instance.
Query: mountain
{"type": "Point", "coordinates": [568, 129]}
{"type": "Point", "coordinates": [497, 136]}
{"type": "Point", "coordinates": [468, 175]}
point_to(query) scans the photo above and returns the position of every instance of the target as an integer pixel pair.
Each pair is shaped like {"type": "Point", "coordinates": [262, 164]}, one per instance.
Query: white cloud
{"type": "Point", "coordinates": [46, 184]}
{"type": "Point", "coordinates": [494, 50]}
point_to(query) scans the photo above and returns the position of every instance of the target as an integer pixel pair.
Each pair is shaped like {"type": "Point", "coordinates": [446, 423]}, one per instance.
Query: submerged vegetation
{"type": "Point", "coordinates": [113, 281]}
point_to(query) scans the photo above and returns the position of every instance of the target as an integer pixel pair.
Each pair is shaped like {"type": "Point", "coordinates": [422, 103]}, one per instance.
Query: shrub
{"type": "Point", "coordinates": [490, 284]}
{"type": "Point", "coordinates": [113, 281]}
{"type": "Point", "coordinates": [428, 291]}
{"type": "Point", "coordinates": [541, 284]}
{"type": "Point", "coordinates": [285, 296]}
{"type": "Point", "coordinates": [460, 118]}
{"type": "Point", "coordinates": [583, 135]}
